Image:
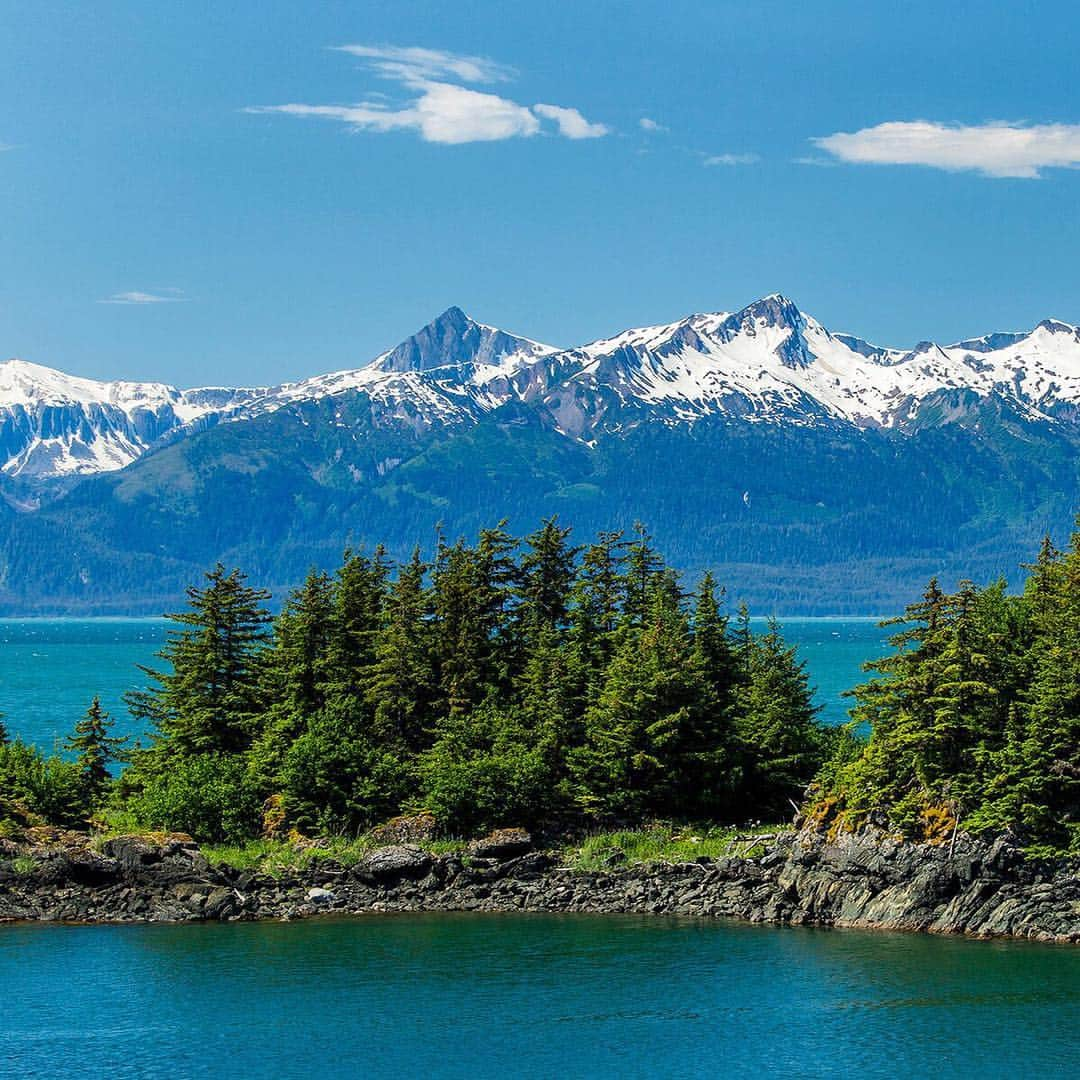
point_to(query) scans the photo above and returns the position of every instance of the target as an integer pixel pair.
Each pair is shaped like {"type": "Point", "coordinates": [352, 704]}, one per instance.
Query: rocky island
{"type": "Point", "coordinates": [869, 879]}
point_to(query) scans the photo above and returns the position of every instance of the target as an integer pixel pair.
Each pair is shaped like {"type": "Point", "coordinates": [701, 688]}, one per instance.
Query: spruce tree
{"type": "Point", "coordinates": [638, 732]}
{"type": "Point", "coordinates": [303, 633]}
{"type": "Point", "coordinates": [547, 574]}
{"type": "Point", "coordinates": [642, 564]}
{"type": "Point", "coordinates": [210, 696]}
{"type": "Point", "coordinates": [359, 595]}
{"type": "Point", "coordinates": [775, 724]}
{"type": "Point", "coordinates": [95, 748]}
{"type": "Point", "coordinates": [403, 683]}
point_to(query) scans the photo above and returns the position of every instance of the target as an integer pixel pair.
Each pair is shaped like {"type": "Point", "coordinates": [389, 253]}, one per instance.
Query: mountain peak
{"type": "Point", "coordinates": [453, 316]}
{"type": "Point", "coordinates": [454, 340]}
{"type": "Point", "coordinates": [774, 311]}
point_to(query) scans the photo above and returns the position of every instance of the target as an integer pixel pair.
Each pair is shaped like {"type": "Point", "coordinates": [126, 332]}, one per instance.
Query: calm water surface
{"type": "Point", "coordinates": [51, 668]}
{"type": "Point", "coordinates": [529, 996]}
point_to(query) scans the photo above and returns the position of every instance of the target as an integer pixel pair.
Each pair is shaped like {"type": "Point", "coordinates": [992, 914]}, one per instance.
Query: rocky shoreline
{"type": "Point", "coordinates": [973, 887]}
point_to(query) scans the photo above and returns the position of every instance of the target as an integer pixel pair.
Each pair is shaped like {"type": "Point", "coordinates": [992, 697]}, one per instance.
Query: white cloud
{"type": "Point", "coordinates": [994, 149]}
{"type": "Point", "coordinates": [411, 62]}
{"type": "Point", "coordinates": [165, 296]}
{"type": "Point", "coordinates": [732, 159]}
{"type": "Point", "coordinates": [440, 111]}
{"type": "Point", "coordinates": [650, 125]}
{"type": "Point", "coordinates": [571, 123]}
{"type": "Point", "coordinates": [443, 113]}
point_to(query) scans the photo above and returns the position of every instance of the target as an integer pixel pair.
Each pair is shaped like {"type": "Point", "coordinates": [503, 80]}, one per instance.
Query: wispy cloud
{"type": "Point", "coordinates": [440, 111]}
{"type": "Point", "coordinates": [403, 63]}
{"type": "Point", "coordinates": [995, 149]}
{"type": "Point", "coordinates": [650, 125]}
{"type": "Point", "coordinates": [732, 159]}
{"type": "Point", "coordinates": [571, 123]}
{"type": "Point", "coordinates": [163, 296]}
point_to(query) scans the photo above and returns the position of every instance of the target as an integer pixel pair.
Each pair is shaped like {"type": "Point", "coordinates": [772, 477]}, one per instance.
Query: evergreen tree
{"type": "Point", "coordinates": [462, 629]}
{"type": "Point", "coordinates": [359, 596]}
{"type": "Point", "coordinates": [303, 633]}
{"type": "Point", "coordinates": [642, 565]}
{"type": "Point", "coordinates": [633, 763]}
{"type": "Point", "coordinates": [403, 684]}
{"type": "Point", "coordinates": [595, 612]}
{"type": "Point", "coordinates": [712, 646]}
{"type": "Point", "coordinates": [95, 748]}
{"type": "Point", "coordinates": [210, 697]}
{"type": "Point", "coordinates": [1049, 782]}
{"type": "Point", "coordinates": [547, 574]}
{"type": "Point", "coordinates": [775, 723]}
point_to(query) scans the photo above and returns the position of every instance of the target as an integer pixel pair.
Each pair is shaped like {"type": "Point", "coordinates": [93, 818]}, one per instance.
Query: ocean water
{"type": "Point", "coordinates": [477, 996]}
{"type": "Point", "coordinates": [51, 668]}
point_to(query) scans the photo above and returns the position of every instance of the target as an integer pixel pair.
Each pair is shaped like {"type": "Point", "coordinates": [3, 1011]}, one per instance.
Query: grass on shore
{"type": "Point", "coordinates": [276, 857]}
{"type": "Point", "coordinates": [665, 843]}
{"type": "Point", "coordinates": [656, 843]}
{"type": "Point", "coordinates": [600, 851]}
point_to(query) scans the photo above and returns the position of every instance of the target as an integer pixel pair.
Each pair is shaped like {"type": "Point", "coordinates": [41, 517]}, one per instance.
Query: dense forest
{"type": "Point", "coordinates": [974, 719]}
{"type": "Point", "coordinates": [540, 683]}
{"type": "Point", "coordinates": [511, 681]}
{"type": "Point", "coordinates": [814, 520]}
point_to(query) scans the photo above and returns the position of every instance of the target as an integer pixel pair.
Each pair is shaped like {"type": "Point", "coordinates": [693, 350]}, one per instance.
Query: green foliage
{"type": "Point", "coordinates": [509, 683]}
{"type": "Point", "coordinates": [46, 786]}
{"type": "Point", "coordinates": [486, 769]}
{"type": "Point", "coordinates": [96, 749]}
{"type": "Point", "coordinates": [975, 718]}
{"type": "Point", "coordinates": [779, 741]}
{"type": "Point", "coordinates": [210, 696]}
{"type": "Point", "coordinates": [23, 865]}
{"type": "Point", "coordinates": [206, 795]}
{"type": "Point", "coordinates": [336, 778]}
{"type": "Point", "coordinates": [662, 843]}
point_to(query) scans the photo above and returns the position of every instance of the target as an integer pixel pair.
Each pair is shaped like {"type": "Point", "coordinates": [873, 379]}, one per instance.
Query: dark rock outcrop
{"type": "Point", "coordinates": [394, 863]}
{"type": "Point", "coordinates": [980, 888]}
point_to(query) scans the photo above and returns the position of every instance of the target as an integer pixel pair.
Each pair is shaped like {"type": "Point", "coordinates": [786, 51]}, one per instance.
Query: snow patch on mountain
{"type": "Point", "coordinates": [55, 425]}
{"type": "Point", "coordinates": [770, 362]}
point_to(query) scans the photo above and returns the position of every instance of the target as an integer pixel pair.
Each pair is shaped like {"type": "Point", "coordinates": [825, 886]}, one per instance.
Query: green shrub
{"type": "Point", "coordinates": [207, 796]}
{"type": "Point", "coordinates": [49, 787]}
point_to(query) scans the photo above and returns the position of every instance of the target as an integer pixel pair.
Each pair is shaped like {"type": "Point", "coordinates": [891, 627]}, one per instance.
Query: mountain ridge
{"type": "Point", "coordinates": [768, 361]}
{"type": "Point", "coordinates": [812, 471]}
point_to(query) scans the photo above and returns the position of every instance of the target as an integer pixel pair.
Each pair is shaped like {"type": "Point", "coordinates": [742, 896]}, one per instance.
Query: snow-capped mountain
{"type": "Point", "coordinates": [55, 425]}
{"type": "Point", "coordinates": [772, 362]}
{"type": "Point", "coordinates": [767, 363]}
{"type": "Point", "coordinates": [448, 371]}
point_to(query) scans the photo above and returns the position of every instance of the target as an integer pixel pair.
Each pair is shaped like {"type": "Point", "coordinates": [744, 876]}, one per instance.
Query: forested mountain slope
{"type": "Point", "coordinates": [812, 471]}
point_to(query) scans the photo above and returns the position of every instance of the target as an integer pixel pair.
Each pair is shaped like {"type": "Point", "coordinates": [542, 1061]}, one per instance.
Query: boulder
{"type": "Point", "coordinates": [394, 862]}
{"type": "Point", "coordinates": [221, 903]}
{"type": "Point", "coordinates": [320, 897]}
{"type": "Point", "coordinates": [408, 829]}
{"type": "Point", "coordinates": [502, 844]}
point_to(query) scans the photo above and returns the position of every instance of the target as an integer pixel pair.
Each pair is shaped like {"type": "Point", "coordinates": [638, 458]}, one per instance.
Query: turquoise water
{"type": "Point", "coordinates": [501, 996]}
{"type": "Point", "coordinates": [51, 668]}
{"type": "Point", "coordinates": [529, 996]}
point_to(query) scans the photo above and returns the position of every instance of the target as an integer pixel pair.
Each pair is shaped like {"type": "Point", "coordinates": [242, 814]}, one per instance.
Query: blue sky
{"type": "Point", "coordinates": [506, 169]}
